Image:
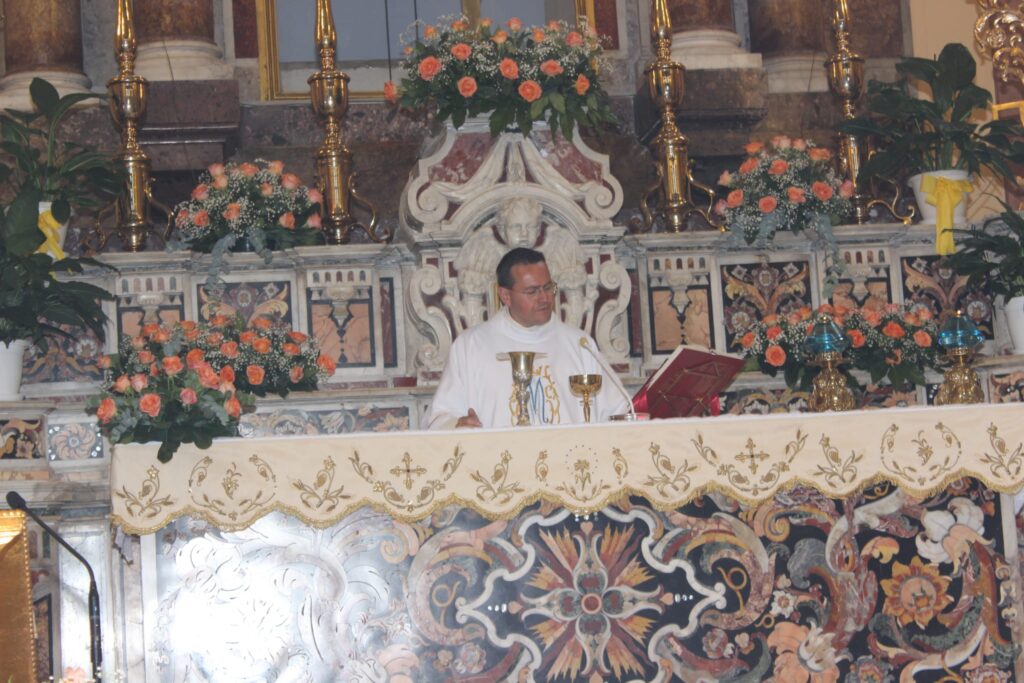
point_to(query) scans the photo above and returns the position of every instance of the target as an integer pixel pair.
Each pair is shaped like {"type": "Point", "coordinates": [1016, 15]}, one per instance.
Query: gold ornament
{"type": "Point", "coordinates": [583, 386]}
{"type": "Point", "coordinates": [522, 375]}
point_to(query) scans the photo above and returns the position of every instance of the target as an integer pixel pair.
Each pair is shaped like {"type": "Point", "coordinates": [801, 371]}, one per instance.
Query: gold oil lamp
{"type": "Point", "coordinates": [846, 77]}
{"type": "Point", "coordinates": [128, 98]}
{"type": "Point", "coordinates": [825, 345]}
{"type": "Point", "coordinates": [960, 339]}
{"type": "Point", "coordinates": [328, 90]}
{"type": "Point", "coordinates": [584, 386]}
{"type": "Point", "coordinates": [522, 375]}
{"type": "Point", "coordinates": [674, 188]}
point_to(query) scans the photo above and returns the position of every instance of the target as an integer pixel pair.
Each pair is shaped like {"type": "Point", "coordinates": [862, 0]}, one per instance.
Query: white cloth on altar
{"type": "Point", "coordinates": [474, 377]}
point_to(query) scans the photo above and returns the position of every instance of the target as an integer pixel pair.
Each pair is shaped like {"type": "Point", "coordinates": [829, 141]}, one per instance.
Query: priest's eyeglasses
{"type": "Point", "coordinates": [533, 292]}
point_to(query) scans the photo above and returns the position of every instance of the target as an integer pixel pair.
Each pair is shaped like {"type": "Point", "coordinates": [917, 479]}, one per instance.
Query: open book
{"type": "Point", "coordinates": [688, 383]}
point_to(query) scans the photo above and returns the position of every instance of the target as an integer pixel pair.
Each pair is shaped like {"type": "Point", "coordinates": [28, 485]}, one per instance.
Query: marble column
{"type": "Point", "coordinates": [792, 36]}
{"type": "Point", "coordinates": [176, 41]}
{"type": "Point", "coordinates": [41, 38]}
{"type": "Point", "coordinates": [704, 36]}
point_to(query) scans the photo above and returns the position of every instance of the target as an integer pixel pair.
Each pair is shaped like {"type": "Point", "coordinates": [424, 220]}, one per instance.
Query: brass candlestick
{"type": "Point", "coordinates": [674, 187]}
{"type": "Point", "coordinates": [960, 338]}
{"type": "Point", "coordinates": [846, 78]}
{"type": "Point", "coordinates": [329, 94]}
{"type": "Point", "coordinates": [584, 386]}
{"type": "Point", "coordinates": [128, 99]}
{"type": "Point", "coordinates": [522, 375]}
{"type": "Point", "coordinates": [825, 344]}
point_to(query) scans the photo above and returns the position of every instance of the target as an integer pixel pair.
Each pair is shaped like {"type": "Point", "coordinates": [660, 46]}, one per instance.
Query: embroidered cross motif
{"type": "Point", "coordinates": [752, 456]}
{"type": "Point", "coordinates": [408, 471]}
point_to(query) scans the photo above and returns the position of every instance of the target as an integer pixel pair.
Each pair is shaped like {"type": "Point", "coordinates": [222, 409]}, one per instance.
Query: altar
{"type": "Point", "coordinates": [783, 547]}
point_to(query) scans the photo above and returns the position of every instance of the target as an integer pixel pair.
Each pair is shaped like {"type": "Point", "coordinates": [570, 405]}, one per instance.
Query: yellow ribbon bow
{"type": "Point", "coordinates": [50, 228]}
{"type": "Point", "coordinates": [944, 194]}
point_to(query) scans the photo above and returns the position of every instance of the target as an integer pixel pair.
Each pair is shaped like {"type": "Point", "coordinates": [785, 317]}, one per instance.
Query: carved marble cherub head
{"type": "Point", "coordinates": [519, 222]}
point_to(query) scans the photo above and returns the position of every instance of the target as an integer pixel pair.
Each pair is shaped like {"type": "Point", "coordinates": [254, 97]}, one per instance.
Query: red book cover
{"type": "Point", "coordinates": [688, 383]}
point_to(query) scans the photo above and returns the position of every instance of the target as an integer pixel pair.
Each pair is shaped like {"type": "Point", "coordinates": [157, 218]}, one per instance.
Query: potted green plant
{"type": "Point", "coordinates": [917, 136]}
{"type": "Point", "coordinates": [992, 257]}
{"type": "Point", "coordinates": [65, 175]}
{"type": "Point", "coordinates": [34, 304]}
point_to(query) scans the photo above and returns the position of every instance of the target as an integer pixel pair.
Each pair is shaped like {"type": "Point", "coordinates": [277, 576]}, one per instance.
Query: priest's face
{"type": "Point", "coordinates": [532, 297]}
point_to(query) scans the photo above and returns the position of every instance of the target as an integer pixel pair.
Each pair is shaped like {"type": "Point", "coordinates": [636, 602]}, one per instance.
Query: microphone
{"type": "Point", "coordinates": [16, 502]}
{"type": "Point", "coordinates": [631, 415]}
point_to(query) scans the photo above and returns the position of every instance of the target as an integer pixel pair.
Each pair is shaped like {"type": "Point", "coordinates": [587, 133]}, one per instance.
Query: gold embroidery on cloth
{"type": "Point", "coordinates": [925, 470]}
{"type": "Point", "coordinates": [584, 488]}
{"type": "Point", "coordinates": [427, 493]}
{"type": "Point", "coordinates": [145, 503]}
{"type": "Point", "coordinates": [550, 409]}
{"type": "Point", "coordinates": [408, 471]}
{"type": "Point", "coordinates": [839, 471]}
{"type": "Point", "coordinates": [540, 468]}
{"type": "Point", "coordinates": [497, 489]}
{"type": "Point", "coordinates": [621, 465]}
{"type": "Point", "coordinates": [1002, 463]}
{"type": "Point", "coordinates": [320, 494]}
{"type": "Point", "coordinates": [740, 481]}
{"type": "Point", "coordinates": [669, 476]}
{"type": "Point", "coordinates": [230, 483]}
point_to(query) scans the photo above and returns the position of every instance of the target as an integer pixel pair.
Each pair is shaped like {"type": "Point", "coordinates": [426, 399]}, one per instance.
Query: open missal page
{"type": "Point", "coordinates": [687, 383]}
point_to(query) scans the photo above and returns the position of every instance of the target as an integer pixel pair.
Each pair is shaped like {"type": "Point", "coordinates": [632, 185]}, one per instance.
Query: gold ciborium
{"type": "Point", "coordinates": [584, 386]}
{"type": "Point", "coordinates": [522, 375]}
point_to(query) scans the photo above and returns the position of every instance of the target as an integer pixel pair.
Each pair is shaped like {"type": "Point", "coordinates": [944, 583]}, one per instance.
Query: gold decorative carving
{"type": "Point", "coordinates": [17, 628]}
{"type": "Point", "coordinates": [669, 476]}
{"type": "Point", "coordinates": [320, 495]}
{"type": "Point", "coordinates": [426, 494]}
{"type": "Point", "coordinates": [497, 488]}
{"type": "Point", "coordinates": [839, 471]}
{"type": "Point", "coordinates": [147, 503]}
{"type": "Point", "coordinates": [830, 391]}
{"type": "Point", "coordinates": [999, 34]}
{"type": "Point", "coordinates": [620, 464]}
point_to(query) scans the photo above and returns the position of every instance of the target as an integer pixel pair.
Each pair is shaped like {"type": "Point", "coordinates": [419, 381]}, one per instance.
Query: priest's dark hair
{"type": "Point", "coordinates": [520, 256]}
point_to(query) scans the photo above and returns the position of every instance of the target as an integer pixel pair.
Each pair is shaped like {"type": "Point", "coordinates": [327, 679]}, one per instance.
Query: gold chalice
{"type": "Point", "coordinates": [522, 375]}
{"type": "Point", "coordinates": [585, 385]}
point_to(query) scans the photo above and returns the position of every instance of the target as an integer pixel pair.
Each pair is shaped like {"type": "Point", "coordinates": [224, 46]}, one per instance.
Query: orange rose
{"type": "Point", "coordinates": [201, 218]}
{"type": "Point", "coordinates": [261, 345]}
{"type": "Point", "coordinates": [747, 340]}
{"type": "Point", "coordinates": [893, 330]}
{"type": "Point", "coordinates": [871, 317]}
{"type": "Point", "coordinates": [773, 332]}
{"type": "Point", "coordinates": [188, 325]}
{"type": "Point", "coordinates": [291, 349]}
{"type": "Point", "coordinates": [846, 189]}
{"type": "Point", "coordinates": [770, 319]}
{"type": "Point", "coordinates": [819, 154]}
{"type": "Point", "coordinates": [804, 312]}
{"type": "Point", "coordinates": [515, 24]}
{"type": "Point", "coordinates": [220, 182]}
{"type": "Point", "coordinates": [778, 167]}
{"type": "Point", "coordinates": [139, 382]}
{"type": "Point", "coordinates": [500, 37]}
{"type": "Point", "coordinates": [247, 169]}
{"type": "Point", "coordinates": [857, 339]}
{"type": "Point", "coordinates": [208, 378]}
{"type": "Point", "coordinates": [459, 25]}
{"type": "Point", "coordinates": [195, 358]}
{"type": "Point", "coordinates": [275, 167]}
{"type": "Point", "coordinates": [162, 336]}
{"type": "Point", "coordinates": [582, 84]}
{"type": "Point", "coordinates": [390, 92]}
{"type": "Point", "coordinates": [145, 357]}
{"type": "Point", "coordinates": [287, 220]}
{"type": "Point", "coordinates": [229, 349]}
{"type": "Point", "coordinates": [233, 211]}
{"type": "Point", "coordinates": [233, 407]}
{"type": "Point", "coordinates": [734, 199]}
{"type": "Point", "coordinates": [247, 337]}
{"type": "Point", "coordinates": [296, 374]}
{"type": "Point", "coordinates": [227, 373]}
{"type": "Point", "coordinates": [122, 384]}
{"type": "Point", "coordinates": [219, 320]}
{"type": "Point", "coordinates": [753, 147]}
{"type": "Point", "coordinates": [201, 192]}
{"type": "Point", "coordinates": [327, 364]}
{"type": "Point", "coordinates": [290, 181]}
{"type": "Point", "coordinates": [150, 404]}
{"type": "Point", "coordinates": [775, 356]}
{"type": "Point", "coordinates": [922, 339]}
{"type": "Point", "coordinates": [262, 323]}
{"type": "Point", "coordinates": [188, 397]}
{"type": "Point", "coordinates": [767, 204]}
{"type": "Point", "coordinates": [430, 32]}
{"type": "Point", "coordinates": [530, 91]}
{"type": "Point", "coordinates": [429, 67]}
{"type": "Point", "coordinates": [748, 166]}
{"type": "Point", "coordinates": [551, 68]}
{"type": "Point", "coordinates": [173, 365]}
{"type": "Point", "coordinates": [822, 191]}
{"type": "Point", "coordinates": [538, 35]}
{"type": "Point", "coordinates": [254, 374]}
{"type": "Point", "coordinates": [149, 329]}
{"type": "Point", "coordinates": [154, 371]}
{"type": "Point", "coordinates": [297, 337]}
{"type": "Point", "coordinates": [106, 410]}
{"type": "Point", "coordinates": [796, 195]}
{"type": "Point", "coordinates": [573, 39]}
{"type": "Point", "coordinates": [509, 69]}
{"type": "Point", "coordinates": [461, 51]}
{"type": "Point", "coordinates": [467, 86]}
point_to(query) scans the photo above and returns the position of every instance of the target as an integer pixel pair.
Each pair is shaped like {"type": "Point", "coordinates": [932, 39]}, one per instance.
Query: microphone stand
{"type": "Point", "coordinates": [16, 502]}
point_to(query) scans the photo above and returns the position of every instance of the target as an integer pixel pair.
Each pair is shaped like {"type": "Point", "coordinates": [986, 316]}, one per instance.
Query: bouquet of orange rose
{"type": "Point", "coordinates": [190, 382]}
{"type": "Point", "coordinates": [520, 74]}
{"type": "Point", "coordinates": [895, 343]}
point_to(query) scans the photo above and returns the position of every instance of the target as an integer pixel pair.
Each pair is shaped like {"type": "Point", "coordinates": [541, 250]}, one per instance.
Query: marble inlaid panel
{"type": "Point", "coordinates": [21, 439]}
{"type": "Point", "coordinates": [388, 322]}
{"type": "Point", "coordinates": [67, 359]}
{"type": "Point", "coordinates": [346, 336]}
{"type": "Point", "coordinates": [42, 609]}
{"type": "Point", "coordinates": [268, 298]}
{"type": "Point", "coordinates": [130, 318]}
{"type": "Point", "coordinates": [764, 401]}
{"type": "Point", "coordinates": [751, 291]}
{"type": "Point", "coordinates": [875, 396]}
{"type": "Point", "coordinates": [463, 160]}
{"type": "Point", "coordinates": [931, 282]}
{"type": "Point", "coordinates": [1008, 388]}
{"type": "Point", "coordinates": [299, 421]}
{"type": "Point", "coordinates": [74, 441]}
{"type": "Point", "coordinates": [669, 329]}
{"type": "Point", "coordinates": [866, 281]}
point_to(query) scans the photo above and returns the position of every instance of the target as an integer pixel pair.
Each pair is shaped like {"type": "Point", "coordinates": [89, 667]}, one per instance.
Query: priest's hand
{"type": "Point", "coordinates": [470, 420]}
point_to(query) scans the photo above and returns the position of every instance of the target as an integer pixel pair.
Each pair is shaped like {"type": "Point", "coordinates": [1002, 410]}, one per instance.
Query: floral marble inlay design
{"type": "Point", "coordinates": [21, 439]}
{"type": "Point", "coordinates": [271, 299]}
{"type": "Point", "coordinates": [74, 441]}
{"type": "Point", "coordinates": [751, 291]}
{"type": "Point", "coordinates": [929, 281]}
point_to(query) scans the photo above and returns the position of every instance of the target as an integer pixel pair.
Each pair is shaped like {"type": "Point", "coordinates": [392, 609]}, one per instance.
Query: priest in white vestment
{"type": "Point", "coordinates": [476, 388]}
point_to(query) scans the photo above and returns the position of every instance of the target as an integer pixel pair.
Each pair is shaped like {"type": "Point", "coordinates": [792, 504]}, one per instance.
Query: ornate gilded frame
{"type": "Point", "coordinates": [17, 628]}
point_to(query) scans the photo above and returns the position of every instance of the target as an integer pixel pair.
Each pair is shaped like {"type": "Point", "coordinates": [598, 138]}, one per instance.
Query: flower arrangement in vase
{"type": "Point", "coordinates": [895, 343]}
{"type": "Point", "coordinates": [518, 74]}
{"type": "Point", "coordinates": [190, 382]}
{"type": "Point", "coordinates": [256, 202]}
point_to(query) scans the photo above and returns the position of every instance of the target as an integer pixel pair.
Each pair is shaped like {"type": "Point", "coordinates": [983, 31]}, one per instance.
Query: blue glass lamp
{"type": "Point", "coordinates": [825, 344]}
{"type": "Point", "coordinates": [960, 339]}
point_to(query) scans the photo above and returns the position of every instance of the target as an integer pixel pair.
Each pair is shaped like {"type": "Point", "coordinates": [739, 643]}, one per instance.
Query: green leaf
{"type": "Point", "coordinates": [537, 107]}
{"type": "Point", "coordinates": [44, 96]}
{"type": "Point", "coordinates": [458, 117]}
{"type": "Point", "coordinates": [957, 66]}
{"type": "Point", "coordinates": [61, 211]}
{"type": "Point", "coordinates": [21, 230]}
{"type": "Point", "coordinates": [557, 101]}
